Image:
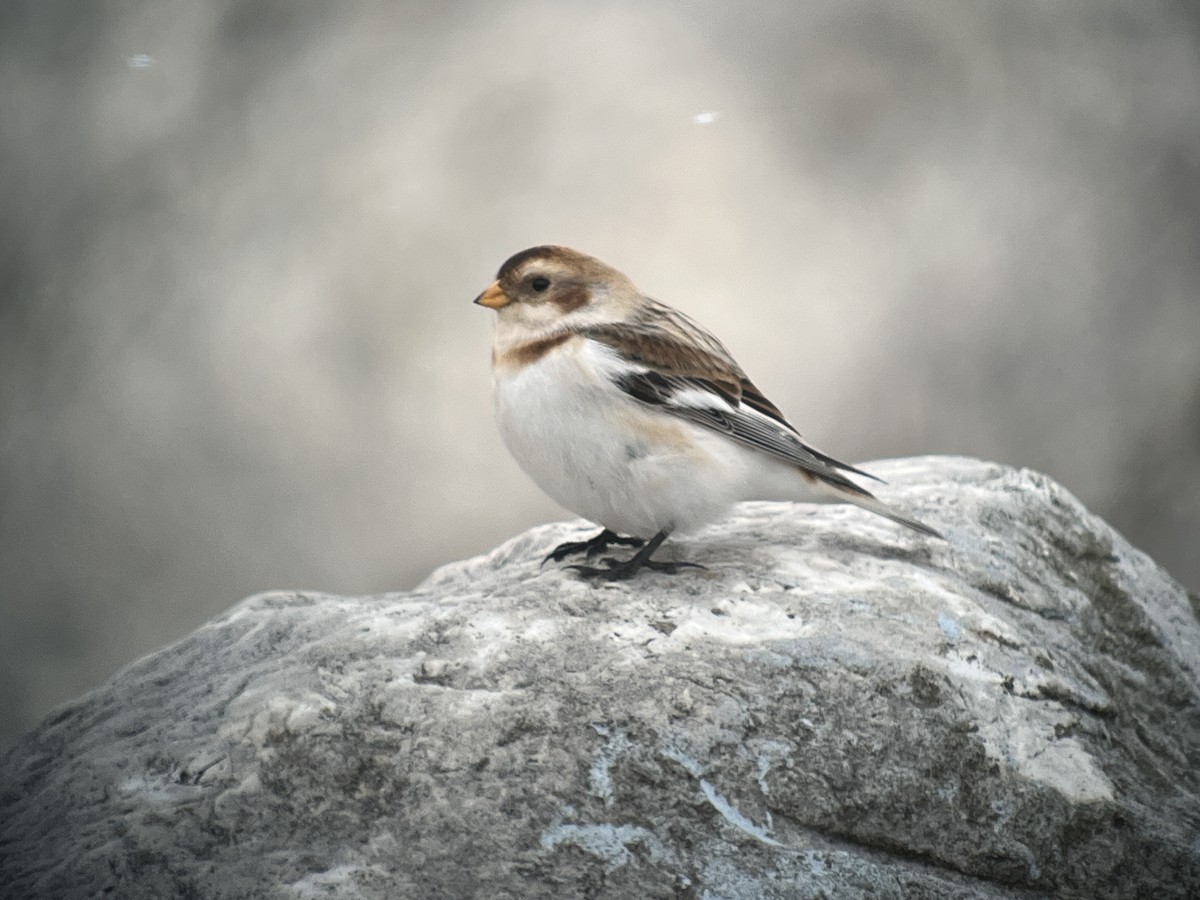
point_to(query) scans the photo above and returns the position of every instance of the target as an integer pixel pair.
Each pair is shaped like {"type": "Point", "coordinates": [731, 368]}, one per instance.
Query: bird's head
{"type": "Point", "coordinates": [548, 287]}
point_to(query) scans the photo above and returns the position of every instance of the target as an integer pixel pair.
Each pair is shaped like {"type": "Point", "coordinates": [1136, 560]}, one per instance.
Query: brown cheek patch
{"type": "Point", "coordinates": [524, 354]}
{"type": "Point", "coordinates": [571, 297]}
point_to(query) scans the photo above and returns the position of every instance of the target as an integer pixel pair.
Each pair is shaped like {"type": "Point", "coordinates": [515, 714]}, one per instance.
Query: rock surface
{"type": "Point", "coordinates": [835, 707]}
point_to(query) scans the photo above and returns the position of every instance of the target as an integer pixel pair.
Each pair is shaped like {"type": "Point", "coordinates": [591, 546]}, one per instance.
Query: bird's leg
{"type": "Point", "coordinates": [592, 547]}
{"type": "Point", "coordinates": [619, 571]}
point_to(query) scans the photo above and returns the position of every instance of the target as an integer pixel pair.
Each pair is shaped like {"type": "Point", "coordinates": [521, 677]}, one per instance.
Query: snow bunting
{"type": "Point", "coordinates": [630, 414]}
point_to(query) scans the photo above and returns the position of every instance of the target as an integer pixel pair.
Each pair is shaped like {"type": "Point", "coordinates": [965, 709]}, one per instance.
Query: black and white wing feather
{"type": "Point", "coordinates": [679, 367]}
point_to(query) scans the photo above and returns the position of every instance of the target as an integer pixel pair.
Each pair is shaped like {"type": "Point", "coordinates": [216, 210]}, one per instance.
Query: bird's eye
{"type": "Point", "coordinates": [540, 283]}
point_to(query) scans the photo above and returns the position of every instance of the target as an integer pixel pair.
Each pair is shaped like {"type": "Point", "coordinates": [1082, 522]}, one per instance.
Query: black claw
{"type": "Point", "coordinates": [591, 547]}
{"type": "Point", "coordinates": [595, 574]}
{"type": "Point", "coordinates": [619, 570]}
{"type": "Point", "coordinates": [596, 547]}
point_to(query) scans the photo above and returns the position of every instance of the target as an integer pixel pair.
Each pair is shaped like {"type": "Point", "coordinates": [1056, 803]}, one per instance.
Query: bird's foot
{"type": "Point", "coordinates": [620, 570]}
{"type": "Point", "coordinates": [592, 547]}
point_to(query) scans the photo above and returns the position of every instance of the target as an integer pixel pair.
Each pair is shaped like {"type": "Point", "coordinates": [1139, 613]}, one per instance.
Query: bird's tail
{"type": "Point", "coordinates": [871, 502]}
{"type": "Point", "coordinates": [841, 488]}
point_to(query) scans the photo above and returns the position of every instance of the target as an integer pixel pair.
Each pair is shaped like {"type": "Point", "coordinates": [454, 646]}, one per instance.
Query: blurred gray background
{"type": "Point", "coordinates": [240, 241]}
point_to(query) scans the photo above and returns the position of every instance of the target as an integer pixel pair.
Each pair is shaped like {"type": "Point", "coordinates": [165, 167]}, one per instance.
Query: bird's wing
{"type": "Point", "coordinates": [673, 363]}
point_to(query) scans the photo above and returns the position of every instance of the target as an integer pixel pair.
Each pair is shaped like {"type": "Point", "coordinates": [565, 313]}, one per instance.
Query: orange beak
{"type": "Point", "coordinates": [494, 297]}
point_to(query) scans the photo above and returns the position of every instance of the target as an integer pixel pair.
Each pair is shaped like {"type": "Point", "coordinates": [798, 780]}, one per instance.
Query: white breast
{"type": "Point", "coordinates": [604, 455]}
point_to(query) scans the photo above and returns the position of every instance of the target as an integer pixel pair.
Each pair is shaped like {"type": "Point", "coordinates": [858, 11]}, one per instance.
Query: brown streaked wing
{"type": "Point", "coordinates": [667, 341]}
{"type": "Point", "coordinates": [748, 392]}
{"type": "Point", "coordinates": [669, 356]}
{"type": "Point", "coordinates": [755, 399]}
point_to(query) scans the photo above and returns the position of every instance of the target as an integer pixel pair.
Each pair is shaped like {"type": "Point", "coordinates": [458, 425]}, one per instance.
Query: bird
{"type": "Point", "coordinates": [629, 413]}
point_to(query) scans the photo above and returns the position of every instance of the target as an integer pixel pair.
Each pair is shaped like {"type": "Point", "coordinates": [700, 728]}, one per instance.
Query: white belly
{"type": "Point", "coordinates": [608, 457]}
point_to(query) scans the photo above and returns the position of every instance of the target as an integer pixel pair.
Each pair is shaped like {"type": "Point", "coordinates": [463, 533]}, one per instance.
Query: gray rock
{"type": "Point", "coordinates": [836, 707]}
